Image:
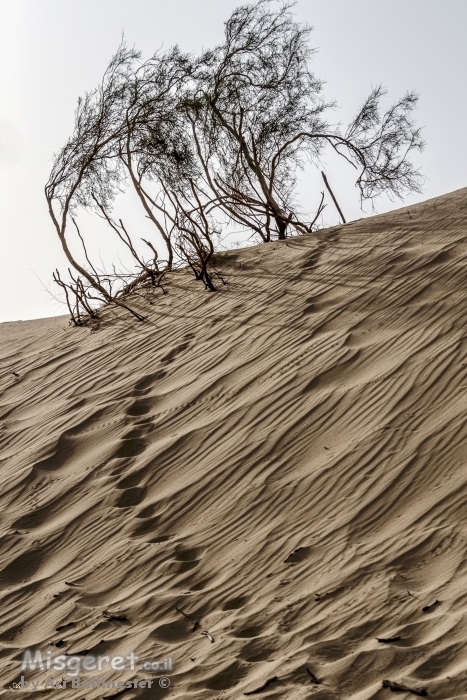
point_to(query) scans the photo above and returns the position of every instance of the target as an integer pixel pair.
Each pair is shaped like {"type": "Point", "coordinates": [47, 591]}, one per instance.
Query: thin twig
{"type": "Point", "coordinates": [333, 198]}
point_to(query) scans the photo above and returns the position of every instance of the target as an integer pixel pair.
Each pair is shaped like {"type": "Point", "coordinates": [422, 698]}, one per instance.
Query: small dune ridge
{"type": "Point", "coordinates": [267, 484]}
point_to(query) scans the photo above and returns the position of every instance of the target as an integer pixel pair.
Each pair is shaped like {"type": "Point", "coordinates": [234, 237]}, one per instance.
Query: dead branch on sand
{"type": "Point", "coordinates": [400, 688]}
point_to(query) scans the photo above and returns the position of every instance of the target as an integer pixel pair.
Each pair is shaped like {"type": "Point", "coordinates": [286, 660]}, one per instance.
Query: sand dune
{"type": "Point", "coordinates": [282, 463]}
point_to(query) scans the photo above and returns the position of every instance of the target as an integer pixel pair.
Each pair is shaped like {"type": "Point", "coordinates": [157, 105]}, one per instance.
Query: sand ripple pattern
{"type": "Point", "coordinates": [284, 461]}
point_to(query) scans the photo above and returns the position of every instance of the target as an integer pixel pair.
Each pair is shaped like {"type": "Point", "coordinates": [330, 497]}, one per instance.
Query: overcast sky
{"type": "Point", "coordinates": [51, 51]}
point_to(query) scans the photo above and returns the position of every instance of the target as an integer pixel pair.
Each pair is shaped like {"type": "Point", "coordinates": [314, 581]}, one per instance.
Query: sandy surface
{"type": "Point", "coordinates": [284, 462]}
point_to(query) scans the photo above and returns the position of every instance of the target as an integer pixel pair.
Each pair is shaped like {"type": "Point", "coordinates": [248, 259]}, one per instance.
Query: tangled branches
{"type": "Point", "coordinates": [212, 139]}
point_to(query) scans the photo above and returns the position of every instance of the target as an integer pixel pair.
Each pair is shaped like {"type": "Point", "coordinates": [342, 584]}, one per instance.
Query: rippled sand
{"type": "Point", "coordinates": [281, 464]}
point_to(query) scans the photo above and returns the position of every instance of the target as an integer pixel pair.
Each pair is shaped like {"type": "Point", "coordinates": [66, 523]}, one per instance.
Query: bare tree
{"type": "Point", "coordinates": [96, 163]}
{"type": "Point", "coordinates": [155, 149]}
{"type": "Point", "coordinates": [208, 140]}
{"type": "Point", "coordinates": [86, 163]}
{"type": "Point", "coordinates": [161, 158]}
{"type": "Point", "coordinates": [257, 115]}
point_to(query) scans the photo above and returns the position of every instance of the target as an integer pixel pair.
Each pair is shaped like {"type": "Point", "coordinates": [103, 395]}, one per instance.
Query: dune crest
{"type": "Point", "coordinates": [266, 484]}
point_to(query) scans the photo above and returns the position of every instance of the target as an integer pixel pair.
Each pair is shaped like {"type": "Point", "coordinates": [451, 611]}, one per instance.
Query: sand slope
{"type": "Point", "coordinates": [284, 462]}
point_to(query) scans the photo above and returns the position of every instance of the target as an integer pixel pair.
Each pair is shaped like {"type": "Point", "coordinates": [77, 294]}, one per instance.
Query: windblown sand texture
{"type": "Point", "coordinates": [284, 461]}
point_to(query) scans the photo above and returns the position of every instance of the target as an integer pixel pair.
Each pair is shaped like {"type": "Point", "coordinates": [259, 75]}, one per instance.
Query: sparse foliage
{"type": "Point", "coordinates": [253, 103]}
{"type": "Point", "coordinates": [213, 139]}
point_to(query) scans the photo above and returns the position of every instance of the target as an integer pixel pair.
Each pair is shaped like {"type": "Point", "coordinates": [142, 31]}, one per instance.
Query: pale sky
{"type": "Point", "coordinates": [51, 51]}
